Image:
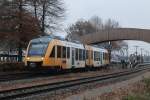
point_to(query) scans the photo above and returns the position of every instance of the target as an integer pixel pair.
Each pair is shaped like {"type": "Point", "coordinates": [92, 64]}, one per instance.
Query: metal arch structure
{"type": "Point", "coordinates": [117, 34]}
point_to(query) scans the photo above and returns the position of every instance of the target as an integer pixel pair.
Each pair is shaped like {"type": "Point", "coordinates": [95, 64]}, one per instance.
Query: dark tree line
{"type": "Point", "coordinates": [22, 20]}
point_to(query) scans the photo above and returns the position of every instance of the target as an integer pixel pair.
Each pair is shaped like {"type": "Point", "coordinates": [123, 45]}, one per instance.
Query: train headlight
{"type": "Point", "coordinates": [28, 58]}
{"type": "Point", "coordinates": [42, 58]}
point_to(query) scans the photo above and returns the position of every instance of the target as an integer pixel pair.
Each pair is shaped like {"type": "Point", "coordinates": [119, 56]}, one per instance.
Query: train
{"type": "Point", "coordinates": [52, 53]}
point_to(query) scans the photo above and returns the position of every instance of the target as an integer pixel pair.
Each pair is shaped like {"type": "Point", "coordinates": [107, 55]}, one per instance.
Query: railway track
{"type": "Point", "coordinates": [7, 77]}
{"type": "Point", "coordinates": [26, 75]}
{"type": "Point", "coordinates": [16, 76]}
{"type": "Point", "coordinates": [33, 74]}
{"type": "Point", "coordinates": [35, 90]}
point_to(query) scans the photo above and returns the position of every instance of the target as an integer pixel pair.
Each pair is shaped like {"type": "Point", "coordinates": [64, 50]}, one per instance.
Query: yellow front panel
{"type": "Point", "coordinates": [54, 62]}
{"type": "Point", "coordinates": [34, 59]}
{"type": "Point", "coordinates": [49, 62]}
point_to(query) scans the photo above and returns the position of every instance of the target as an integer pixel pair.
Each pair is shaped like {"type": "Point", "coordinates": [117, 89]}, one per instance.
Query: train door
{"type": "Point", "coordinates": [73, 58]}
{"type": "Point", "coordinates": [64, 57]}
{"type": "Point", "coordinates": [91, 58]}
{"type": "Point", "coordinates": [87, 58]}
{"type": "Point", "coordinates": [101, 58]}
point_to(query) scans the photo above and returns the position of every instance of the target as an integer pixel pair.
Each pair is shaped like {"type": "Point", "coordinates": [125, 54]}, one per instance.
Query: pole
{"type": "Point", "coordinates": [141, 55]}
{"type": "Point", "coordinates": [20, 30]}
{"type": "Point", "coordinates": [136, 47]}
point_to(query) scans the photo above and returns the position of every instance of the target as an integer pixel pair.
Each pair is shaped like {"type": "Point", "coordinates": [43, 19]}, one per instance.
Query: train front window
{"type": "Point", "coordinates": [37, 49]}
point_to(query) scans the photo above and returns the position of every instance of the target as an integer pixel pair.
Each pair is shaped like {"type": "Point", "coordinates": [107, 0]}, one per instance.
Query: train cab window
{"type": "Point", "coordinates": [77, 54]}
{"type": "Point", "coordinates": [53, 52]}
{"type": "Point", "coordinates": [68, 52]}
{"type": "Point", "coordinates": [63, 52]}
{"type": "Point", "coordinates": [58, 51]}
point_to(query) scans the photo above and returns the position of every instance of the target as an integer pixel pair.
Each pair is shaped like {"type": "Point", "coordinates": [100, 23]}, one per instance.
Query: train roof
{"type": "Point", "coordinates": [44, 39]}
{"type": "Point", "coordinates": [47, 39]}
{"type": "Point", "coordinates": [72, 44]}
{"type": "Point", "coordinates": [99, 49]}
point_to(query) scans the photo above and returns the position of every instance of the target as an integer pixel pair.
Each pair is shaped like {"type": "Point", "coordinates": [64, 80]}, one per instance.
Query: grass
{"type": "Point", "coordinates": [141, 96]}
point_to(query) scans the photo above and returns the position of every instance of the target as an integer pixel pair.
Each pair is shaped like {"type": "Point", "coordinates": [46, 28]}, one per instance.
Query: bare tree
{"type": "Point", "coordinates": [94, 25]}
{"type": "Point", "coordinates": [97, 22]}
{"type": "Point", "coordinates": [49, 13]}
{"type": "Point", "coordinates": [80, 28]}
{"type": "Point", "coordinates": [110, 24]}
{"type": "Point", "coordinates": [17, 25]}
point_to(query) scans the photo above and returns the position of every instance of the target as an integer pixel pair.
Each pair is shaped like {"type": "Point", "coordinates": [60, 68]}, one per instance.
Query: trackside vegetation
{"type": "Point", "coordinates": [145, 95]}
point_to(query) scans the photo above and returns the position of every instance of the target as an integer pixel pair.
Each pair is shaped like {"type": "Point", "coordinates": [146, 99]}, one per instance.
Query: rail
{"type": "Point", "coordinates": [34, 90]}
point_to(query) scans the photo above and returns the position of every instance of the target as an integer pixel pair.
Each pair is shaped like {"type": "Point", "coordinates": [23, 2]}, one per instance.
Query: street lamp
{"type": "Point", "coordinates": [136, 48]}
{"type": "Point", "coordinates": [126, 50]}
{"type": "Point", "coordinates": [142, 55]}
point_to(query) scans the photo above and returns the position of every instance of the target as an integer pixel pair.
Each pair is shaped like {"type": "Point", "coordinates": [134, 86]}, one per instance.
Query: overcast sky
{"type": "Point", "coordinates": [129, 13]}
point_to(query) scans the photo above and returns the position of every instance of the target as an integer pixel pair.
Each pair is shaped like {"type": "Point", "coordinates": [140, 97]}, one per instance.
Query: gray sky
{"type": "Point", "coordinates": [129, 13]}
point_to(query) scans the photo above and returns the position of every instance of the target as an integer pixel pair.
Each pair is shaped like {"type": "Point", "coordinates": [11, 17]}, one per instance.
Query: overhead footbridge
{"type": "Point", "coordinates": [117, 34]}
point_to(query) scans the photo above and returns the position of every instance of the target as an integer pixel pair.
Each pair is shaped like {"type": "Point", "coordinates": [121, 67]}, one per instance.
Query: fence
{"type": "Point", "coordinates": [9, 58]}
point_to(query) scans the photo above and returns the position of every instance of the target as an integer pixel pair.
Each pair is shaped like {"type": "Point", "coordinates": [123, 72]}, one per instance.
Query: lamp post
{"type": "Point", "coordinates": [148, 57]}
{"type": "Point", "coordinates": [126, 50]}
{"type": "Point", "coordinates": [142, 55]}
{"type": "Point", "coordinates": [136, 48]}
{"type": "Point", "coordinates": [136, 53]}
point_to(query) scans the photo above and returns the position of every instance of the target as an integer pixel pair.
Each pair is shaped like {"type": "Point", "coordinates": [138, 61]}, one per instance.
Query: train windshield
{"type": "Point", "coordinates": [37, 49]}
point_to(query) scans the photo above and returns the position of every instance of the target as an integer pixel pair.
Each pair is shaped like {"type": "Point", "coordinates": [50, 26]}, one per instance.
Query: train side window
{"type": "Point", "coordinates": [63, 52]}
{"type": "Point", "coordinates": [53, 52]}
{"type": "Point", "coordinates": [80, 54]}
{"type": "Point", "coordinates": [68, 52]}
{"type": "Point", "coordinates": [99, 56]}
{"type": "Point", "coordinates": [83, 54]}
{"type": "Point", "coordinates": [58, 51]}
{"type": "Point", "coordinates": [94, 55]}
{"type": "Point", "coordinates": [104, 56]}
{"type": "Point", "coordinates": [77, 54]}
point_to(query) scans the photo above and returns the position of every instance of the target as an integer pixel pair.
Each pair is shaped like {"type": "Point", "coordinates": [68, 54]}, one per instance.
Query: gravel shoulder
{"type": "Point", "coordinates": [51, 79]}
{"type": "Point", "coordinates": [110, 91]}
